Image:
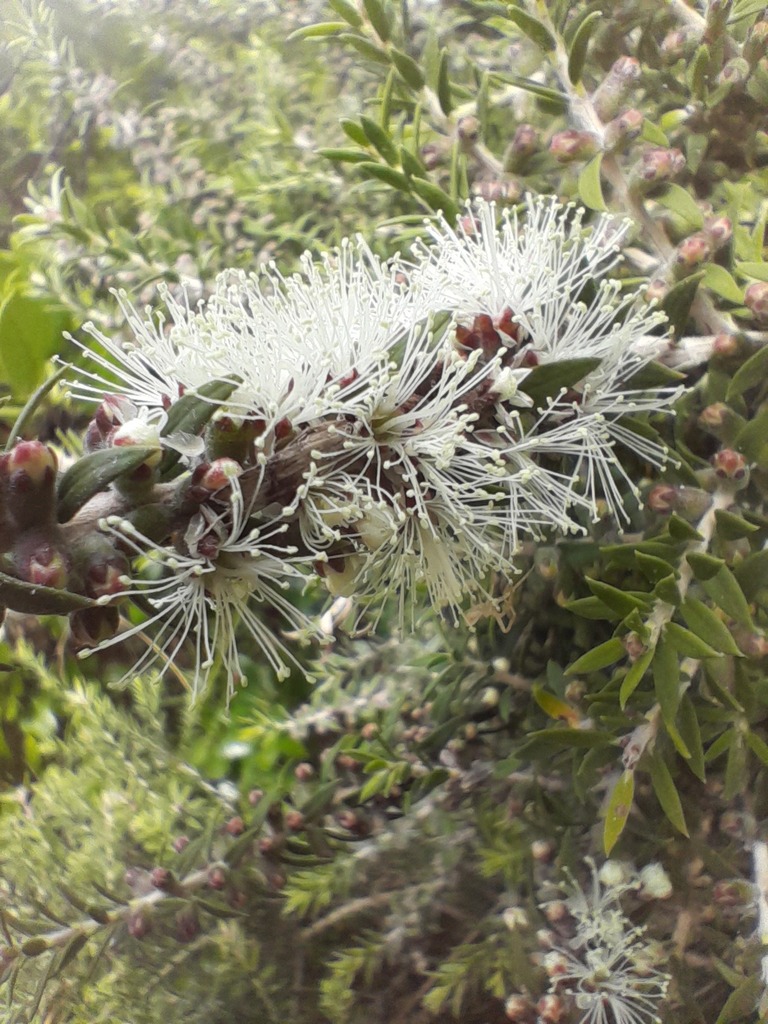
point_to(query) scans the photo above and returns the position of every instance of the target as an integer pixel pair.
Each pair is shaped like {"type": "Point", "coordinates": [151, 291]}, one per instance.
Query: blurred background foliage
{"type": "Point", "coordinates": [390, 843]}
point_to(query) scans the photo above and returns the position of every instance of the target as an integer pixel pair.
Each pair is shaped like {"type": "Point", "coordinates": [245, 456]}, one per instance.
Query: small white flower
{"type": "Point", "coordinates": [533, 292]}
{"type": "Point", "coordinates": [203, 597]}
{"type": "Point", "coordinates": [606, 967]}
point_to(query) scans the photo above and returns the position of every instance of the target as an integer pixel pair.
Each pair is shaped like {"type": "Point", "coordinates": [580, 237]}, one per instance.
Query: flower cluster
{"type": "Point", "coordinates": [608, 970]}
{"type": "Point", "coordinates": [385, 425]}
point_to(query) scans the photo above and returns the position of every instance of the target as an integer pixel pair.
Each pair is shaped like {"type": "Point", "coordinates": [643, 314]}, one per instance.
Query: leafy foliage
{"type": "Point", "coordinates": [391, 842]}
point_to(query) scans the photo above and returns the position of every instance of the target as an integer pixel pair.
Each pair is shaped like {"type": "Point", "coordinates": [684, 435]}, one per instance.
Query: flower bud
{"type": "Point", "coordinates": [180, 843]}
{"type": "Point", "coordinates": [29, 470]}
{"type": "Point", "coordinates": [468, 132]}
{"type": "Point", "coordinates": [675, 44]}
{"type": "Point", "coordinates": [658, 165]}
{"type": "Point", "coordinates": [657, 290]}
{"type": "Point", "coordinates": [662, 498]}
{"type": "Point", "coordinates": [756, 44]}
{"type": "Point", "coordinates": [514, 918]}
{"type": "Point", "coordinates": [235, 826]}
{"type": "Point", "coordinates": [98, 568]}
{"type": "Point", "coordinates": [692, 252]}
{"type": "Point", "coordinates": [39, 557]}
{"type": "Point", "coordinates": [496, 191]}
{"type": "Point", "coordinates": [230, 436]}
{"type": "Point", "coordinates": [613, 90]}
{"type": "Point", "coordinates": [624, 128]}
{"type": "Point", "coordinates": [571, 145]}
{"type": "Point", "coordinates": [542, 850]}
{"type": "Point", "coordinates": [304, 771]}
{"type": "Point", "coordinates": [519, 1008]}
{"type": "Point", "coordinates": [162, 879]}
{"type": "Point", "coordinates": [634, 646]}
{"type": "Point", "coordinates": [719, 231]}
{"type": "Point", "coordinates": [525, 143]}
{"type": "Point", "coordinates": [209, 477]}
{"type": "Point", "coordinates": [294, 820]}
{"type": "Point", "coordinates": [551, 1009]}
{"type": "Point", "coordinates": [187, 925]}
{"type": "Point", "coordinates": [730, 466]}
{"type": "Point", "coordinates": [655, 883]}
{"type": "Point", "coordinates": [756, 299]}
{"type": "Point", "coordinates": [734, 73]}
{"type": "Point", "coordinates": [218, 875]}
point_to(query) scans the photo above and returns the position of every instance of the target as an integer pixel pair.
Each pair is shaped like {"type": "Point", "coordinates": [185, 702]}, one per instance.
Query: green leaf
{"type": "Point", "coordinates": [580, 45]}
{"type": "Point", "coordinates": [190, 414]}
{"type": "Point", "coordinates": [653, 568]}
{"type": "Point", "coordinates": [677, 303]}
{"type": "Point", "coordinates": [666, 681]}
{"type": "Point", "coordinates": [726, 593]}
{"type": "Point", "coordinates": [408, 69]}
{"type": "Point", "coordinates": [353, 130]}
{"type": "Point", "coordinates": [752, 573]}
{"type": "Point", "coordinates": [379, 139]}
{"type": "Point", "coordinates": [688, 724]}
{"type": "Point", "coordinates": [590, 185]}
{"type": "Point", "coordinates": [377, 15]}
{"type": "Point", "coordinates": [549, 379]}
{"type": "Point", "coordinates": [347, 11]}
{"type": "Point", "coordinates": [391, 177]}
{"type": "Point", "coordinates": [721, 282]}
{"type": "Point", "coordinates": [93, 473]}
{"type": "Point", "coordinates": [736, 779]}
{"type": "Point", "coordinates": [665, 790]}
{"type": "Point", "coordinates": [435, 198]}
{"type": "Point", "coordinates": [344, 156]}
{"type": "Point", "coordinates": [758, 271]}
{"type": "Point", "coordinates": [410, 163]}
{"type": "Point", "coordinates": [705, 624]}
{"type": "Point", "coordinates": [621, 601]}
{"type": "Point", "coordinates": [758, 747]}
{"type": "Point", "coordinates": [704, 566]}
{"type": "Point", "coordinates": [732, 527]}
{"type": "Point", "coordinates": [681, 202]}
{"type": "Point", "coordinates": [667, 590]}
{"type": "Point", "coordinates": [741, 1003]}
{"type": "Point", "coordinates": [554, 706]}
{"type": "Point", "coordinates": [366, 48]}
{"type": "Point", "coordinates": [33, 599]}
{"type": "Point", "coordinates": [30, 333]}
{"type": "Point", "coordinates": [532, 27]}
{"type": "Point", "coordinates": [679, 529]}
{"type": "Point", "coordinates": [687, 643]}
{"type": "Point", "coordinates": [619, 806]}
{"type": "Point", "coordinates": [319, 31]}
{"type": "Point", "coordinates": [603, 655]}
{"type": "Point", "coordinates": [750, 374]}
{"type": "Point", "coordinates": [652, 133]}
{"type": "Point", "coordinates": [443, 84]}
{"type": "Point", "coordinates": [591, 608]}
{"type": "Point", "coordinates": [634, 676]}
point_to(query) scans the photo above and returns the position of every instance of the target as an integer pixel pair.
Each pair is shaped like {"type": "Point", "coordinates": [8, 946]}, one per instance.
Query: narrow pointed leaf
{"type": "Point", "coordinates": [443, 84]}
{"type": "Point", "coordinates": [546, 381]}
{"type": "Point", "coordinates": [605, 654]}
{"type": "Point", "coordinates": [580, 44]}
{"type": "Point", "coordinates": [634, 676]}
{"type": "Point", "coordinates": [619, 806]}
{"type": "Point", "coordinates": [93, 473]}
{"type": "Point", "coordinates": [377, 15]}
{"type": "Point", "coordinates": [704, 623]}
{"type": "Point", "coordinates": [688, 724]}
{"type": "Point", "coordinates": [688, 643]}
{"type": "Point", "coordinates": [379, 139]}
{"type": "Point", "coordinates": [532, 27]}
{"type": "Point", "coordinates": [590, 184]}
{"type": "Point", "coordinates": [408, 69]}
{"type": "Point", "coordinates": [725, 592]}
{"type": "Point", "coordinates": [621, 601]}
{"type": "Point", "coordinates": [665, 790]}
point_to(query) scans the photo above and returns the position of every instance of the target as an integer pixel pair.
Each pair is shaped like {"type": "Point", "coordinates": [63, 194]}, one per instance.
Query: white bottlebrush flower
{"type": "Point", "coordinates": [533, 292]}
{"type": "Point", "coordinates": [608, 968]}
{"type": "Point", "coordinates": [231, 570]}
{"type": "Point", "coordinates": [298, 347]}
